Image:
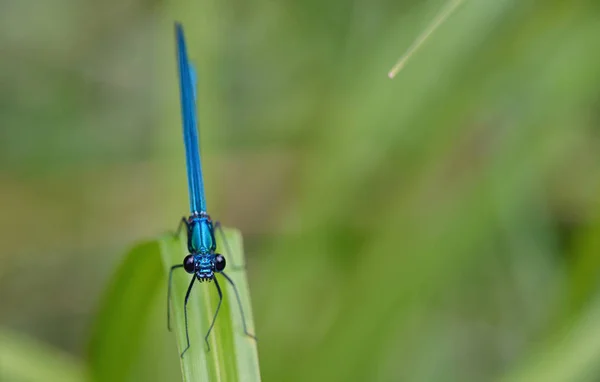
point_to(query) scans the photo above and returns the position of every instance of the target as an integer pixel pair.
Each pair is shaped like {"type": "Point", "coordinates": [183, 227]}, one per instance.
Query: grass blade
{"type": "Point", "coordinates": [233, 356]}
{"type": "Point", "coordinates": [125, 327]}
{"type": "Point", "coordinates": [124, 312]}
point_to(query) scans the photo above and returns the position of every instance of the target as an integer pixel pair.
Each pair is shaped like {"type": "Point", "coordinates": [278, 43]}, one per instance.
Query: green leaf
{"type": "Point", "coordinates": [233, 355]}
{"type": "Point", "coordinates": [125, 329]}
{"type": "Point", "coordinates": [123, 314]}
{"type": "Point", "coordinates": [23, 359]}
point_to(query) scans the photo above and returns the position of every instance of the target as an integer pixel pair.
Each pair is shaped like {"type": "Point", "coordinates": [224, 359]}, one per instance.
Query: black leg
{"type": "Point", "coordinates": [169, 294]}
{"type": "Point", "coordinates": [237, 296]}
{"type": "Point", "coordinates": [216, 313]}
{"type": "Point", "coordinates": [233, 267]}
{"type": "Point", "coordinates": [187, 296]}
{"type": "Point", "coordinates": [182, 222]}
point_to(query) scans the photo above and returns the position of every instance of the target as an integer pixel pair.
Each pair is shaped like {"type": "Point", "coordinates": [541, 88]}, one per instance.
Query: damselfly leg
{"type": "Point", "coordinates": [169, 294]}
{"type": "Point", "coordinates": [239, 301]}
{"type": "Point", "coordinates": [182, 222]}
{"type": "Point", "coordinates": [185, 315]}
{"type": "Point", "coordinates": [229, 254]}
{"type": "Point", "coordinates": [215, 315]}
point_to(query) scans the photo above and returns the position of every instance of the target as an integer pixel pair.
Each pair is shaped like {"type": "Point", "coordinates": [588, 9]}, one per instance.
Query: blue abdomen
{"type": "Point", "coordinates": [201, 238]}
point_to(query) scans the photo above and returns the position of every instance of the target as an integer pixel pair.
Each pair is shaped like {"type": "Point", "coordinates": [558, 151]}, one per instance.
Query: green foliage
{"type": "Point", "coordinates": [24, 359]}
{"type": "Point", "coordinates": [441, 226]}
{"type": "Point", "coordinates": [123, 320]}
{"type": "Point", "coordinates": [233, 356]}
{"type": "Point", "coordinates": [123, 316]}
{"type": "Point", "coordinates": [126, 325]}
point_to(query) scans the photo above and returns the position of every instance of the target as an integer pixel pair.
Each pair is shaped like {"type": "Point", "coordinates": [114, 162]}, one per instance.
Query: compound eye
{"type": "Point", "coordinates": [189, 264]}
{"type": "Point", "coordinates": [219, 263]}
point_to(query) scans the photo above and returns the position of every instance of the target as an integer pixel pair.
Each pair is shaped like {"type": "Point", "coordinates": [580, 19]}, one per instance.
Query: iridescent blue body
{"type": "Point", "coordinates": [202, 261]}
{"type": "Point", "coordinates": [187, 88]}
{"type": "Point", "coordinates": [201, 238]}
{"type": "Point", "coordinates": [202, 244]}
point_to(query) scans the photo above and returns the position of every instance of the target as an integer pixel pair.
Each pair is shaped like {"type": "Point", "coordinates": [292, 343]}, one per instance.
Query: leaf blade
{"type": "Point", "coordinates": [233, 355]}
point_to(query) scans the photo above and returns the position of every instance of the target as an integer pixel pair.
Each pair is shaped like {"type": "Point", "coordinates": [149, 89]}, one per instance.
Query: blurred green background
{"type": "Point", "coordinates": [441, 226]}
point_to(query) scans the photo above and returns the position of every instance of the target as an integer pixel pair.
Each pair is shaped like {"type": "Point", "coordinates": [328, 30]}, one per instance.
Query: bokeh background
{"type": "Point", "coordinates": [441, 226]}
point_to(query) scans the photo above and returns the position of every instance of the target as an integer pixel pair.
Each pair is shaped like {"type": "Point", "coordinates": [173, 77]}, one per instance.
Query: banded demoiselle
{"type": "Point", "coordinates": [203, 262]}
